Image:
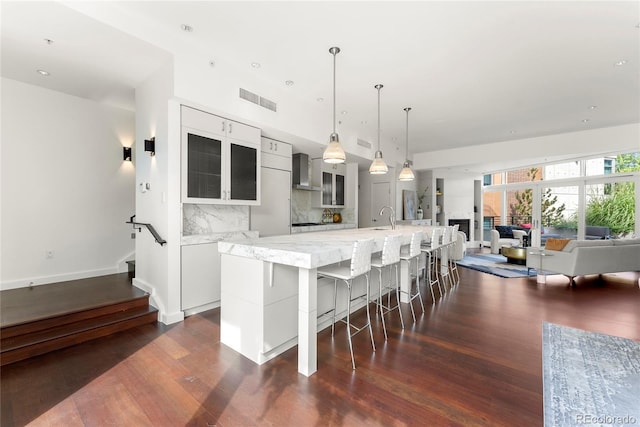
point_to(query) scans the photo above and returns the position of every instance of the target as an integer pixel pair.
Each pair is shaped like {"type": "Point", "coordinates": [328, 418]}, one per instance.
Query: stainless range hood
{"type": "Point", "coordinates": [301, 173]}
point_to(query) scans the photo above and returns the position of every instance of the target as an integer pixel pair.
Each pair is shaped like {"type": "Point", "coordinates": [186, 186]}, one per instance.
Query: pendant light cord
{"type": "Point", "coordinates": [407, 144]}
{"type": "Point", "coordinates": [378, 87]}
{"type": "Point", "coordinates": [334, 51]}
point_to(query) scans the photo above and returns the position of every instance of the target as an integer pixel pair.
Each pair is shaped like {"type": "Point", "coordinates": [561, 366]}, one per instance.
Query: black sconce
{"type": "Point", "coordinates": [126, 153]}
{"type": "Point", "coordinates": [150, 146]}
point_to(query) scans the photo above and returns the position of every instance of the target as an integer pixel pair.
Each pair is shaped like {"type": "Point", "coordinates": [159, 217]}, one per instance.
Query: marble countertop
{"type": "Point", "coordinates": [198, 239]}
{"type": "Point", "coordinates": [314, 249]}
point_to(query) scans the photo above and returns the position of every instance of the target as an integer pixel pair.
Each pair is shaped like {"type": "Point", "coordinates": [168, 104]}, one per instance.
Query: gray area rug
{"type": "Point", "coordinates": [589, 378]}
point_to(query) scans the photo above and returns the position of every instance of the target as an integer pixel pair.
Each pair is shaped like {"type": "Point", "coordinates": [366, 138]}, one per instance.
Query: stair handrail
{"type": "Point", "coordinates": [149, 227]}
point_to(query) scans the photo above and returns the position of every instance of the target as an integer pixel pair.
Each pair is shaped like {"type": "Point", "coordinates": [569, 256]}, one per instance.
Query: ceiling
{"type": "Point", "coordinates": [473, 72]}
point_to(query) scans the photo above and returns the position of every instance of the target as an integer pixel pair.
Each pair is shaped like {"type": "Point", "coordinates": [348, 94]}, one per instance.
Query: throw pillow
{"type": "Point", "coordinates": [556, 244]}
{"type": "Point", "coordinates": [505, 231]}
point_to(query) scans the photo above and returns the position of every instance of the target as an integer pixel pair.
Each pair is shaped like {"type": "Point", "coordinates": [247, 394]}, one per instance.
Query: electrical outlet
{"type": "Point", "coordinates": [133, 235]}
{"type": "Point", "coordinates": [50, 253]}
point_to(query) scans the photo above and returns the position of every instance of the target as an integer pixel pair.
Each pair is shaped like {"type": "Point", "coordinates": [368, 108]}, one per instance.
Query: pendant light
{"type": "Point", "coordinates": [406, 174]}
{"type": "Point", "coordinates": [378, 166]}
{"type": "Point", "coordinates": [334, 152]}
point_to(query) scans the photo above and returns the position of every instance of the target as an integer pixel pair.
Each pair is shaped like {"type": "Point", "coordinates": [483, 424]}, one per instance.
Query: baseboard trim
{"type": "Point", "coordinates": [44, 280]}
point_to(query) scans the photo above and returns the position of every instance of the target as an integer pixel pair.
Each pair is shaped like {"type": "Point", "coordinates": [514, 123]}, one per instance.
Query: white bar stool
{"type": "Point", "coordinates": [408, 254]}
{"type": "Point", "coordinates": [453, 262]}
{"type": "Point", "coordinates": [431, 269]}
{"type": "Point", "coordinates": [360, 266]}
{"type": "Point", "coordinates": [390, 258]}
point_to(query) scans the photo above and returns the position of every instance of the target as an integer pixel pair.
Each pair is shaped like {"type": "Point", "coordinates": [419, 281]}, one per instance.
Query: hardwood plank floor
{"type": "Point", "coordinates": [474, 358]}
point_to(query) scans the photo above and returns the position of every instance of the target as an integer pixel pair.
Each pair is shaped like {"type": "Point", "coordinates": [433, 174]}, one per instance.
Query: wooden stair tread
{"type": "Point", "coordinates": [12, 343]}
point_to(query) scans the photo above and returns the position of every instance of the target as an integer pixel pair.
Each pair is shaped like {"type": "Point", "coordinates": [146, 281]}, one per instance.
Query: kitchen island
{"type": "Point", "coordinates": [271, 296]}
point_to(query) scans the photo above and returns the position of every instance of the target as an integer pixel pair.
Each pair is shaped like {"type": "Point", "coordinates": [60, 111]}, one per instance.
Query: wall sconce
{"type": "Point", "coordinates": [126, 154]}
{"type": "Point", "coordinates": [150, 146]}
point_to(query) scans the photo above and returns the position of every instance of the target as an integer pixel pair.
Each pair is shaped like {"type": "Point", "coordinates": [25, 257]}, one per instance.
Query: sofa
{"type": "Point", "coordinates": [583, 257]}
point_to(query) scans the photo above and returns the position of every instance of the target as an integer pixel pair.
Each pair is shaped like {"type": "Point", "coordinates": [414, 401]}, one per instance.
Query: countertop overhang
{"type": "Point", "coordinates": [315, 249]}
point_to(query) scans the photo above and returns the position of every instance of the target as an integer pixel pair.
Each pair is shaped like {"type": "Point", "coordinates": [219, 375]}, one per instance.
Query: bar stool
{"type": "Point", "coordinates": [408, 254]}
{"type": "Point", "coordinates": [390, 258]}
{"type": "Point", "coordinates": [444, 258]}
{"type": "Point", "coordinates": [360, 266]}
{"type": "Point", "coordinates": [453, 261]}
{"type": "Point", "coordinates": [431, 266]}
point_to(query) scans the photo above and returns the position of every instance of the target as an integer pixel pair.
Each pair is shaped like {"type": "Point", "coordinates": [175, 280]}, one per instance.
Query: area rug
{"type": "Point", "coordinates": [495, 264]}
{"type": "Point", "coordinates": [589, 378]}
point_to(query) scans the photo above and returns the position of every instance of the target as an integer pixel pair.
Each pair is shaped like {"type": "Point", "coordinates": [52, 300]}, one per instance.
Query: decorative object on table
{"type": "Point", "coordinates": [420, 212]}
{"type": "Point", "coordinates": [378, 166]}
{"type": "Point", "coordinates": [334, 153]}
{"type": "Point", "coordinates": [589, 378]}
{"type": "Point", "coordinates": [408, 204]}
{"type": "Point", "coordinates": [337, 217]}
{"type": "Point", "coordinates": [406, 174]}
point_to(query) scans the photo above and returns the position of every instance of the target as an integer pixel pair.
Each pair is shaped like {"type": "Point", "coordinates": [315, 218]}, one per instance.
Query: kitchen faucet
{"type": "Point", "coordinates": [392, 217]}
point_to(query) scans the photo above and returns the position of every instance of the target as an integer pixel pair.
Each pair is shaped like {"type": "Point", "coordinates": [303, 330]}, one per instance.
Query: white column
{"type": "Point", "coordinates": [307, 321]}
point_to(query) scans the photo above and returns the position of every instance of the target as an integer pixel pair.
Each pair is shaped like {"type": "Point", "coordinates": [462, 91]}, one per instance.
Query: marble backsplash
{"type": "Point", "coordinates": [302, 209]}
{"type": "Point", "coordinates": [206, 219]}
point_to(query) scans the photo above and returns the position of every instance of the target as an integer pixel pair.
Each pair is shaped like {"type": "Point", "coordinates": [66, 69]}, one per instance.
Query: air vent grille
{"type": "Point", "coordinates": [363, 143]}
{"type": "Point", "coordinates": [258, 100]}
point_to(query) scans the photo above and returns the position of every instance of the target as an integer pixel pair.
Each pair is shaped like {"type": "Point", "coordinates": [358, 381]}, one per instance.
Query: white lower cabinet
{"type": "Point", "coordinates": [200, 277]}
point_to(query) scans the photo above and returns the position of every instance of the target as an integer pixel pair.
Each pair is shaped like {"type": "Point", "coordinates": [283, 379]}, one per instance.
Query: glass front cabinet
{"type": "Point", "coordinates": [220, 160]}
{"type": "Point", "coordinates": [331, 179]}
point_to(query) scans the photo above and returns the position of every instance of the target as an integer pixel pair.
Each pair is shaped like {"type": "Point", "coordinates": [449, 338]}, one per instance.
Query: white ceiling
{"type": "Point", "coordinates": [473, 72]}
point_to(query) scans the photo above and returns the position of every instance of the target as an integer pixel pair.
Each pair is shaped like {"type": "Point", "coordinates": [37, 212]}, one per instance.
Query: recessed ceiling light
{"type": "Point", "coordinates": [289, 82]}
{"type": "Point", "coordinates": [43, 72]}
{"type": "Point", "coordinates": [212, 63]}
{"type": "Point", "coordinates": [344, 112]}
{"type": "Point", "coordinates": [319, 99]}
{"type": "Point", "coordinates": [187, 28]}
{"type": "Point", "coordinates": [585, 120]}
{"type": "Point", "coordinates": [512, 132]}
{"type": "Point", "coordinates": [255, 64]}
{"type": "Point", "coordinates": [48, 41]}
{"type": "Point", "coordinates": [592, 107]}
{"type": "Point", "coordinates": [620, 63]}
{"type": "Point", "coordinates": [364, 122]}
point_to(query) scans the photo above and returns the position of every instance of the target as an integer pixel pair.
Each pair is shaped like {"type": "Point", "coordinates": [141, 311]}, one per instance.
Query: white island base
{"type": "Point", "coordinates": [271, 298]}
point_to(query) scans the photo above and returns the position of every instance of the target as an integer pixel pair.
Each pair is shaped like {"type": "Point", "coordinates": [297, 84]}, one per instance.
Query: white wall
{"type": "Point", "coordinates": [158, 267]}
{"type": "Point", "coordinates": [65, 187]}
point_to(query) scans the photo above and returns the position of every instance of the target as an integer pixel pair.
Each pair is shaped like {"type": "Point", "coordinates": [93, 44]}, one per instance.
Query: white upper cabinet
{"type": "Point", "coordinates": [331, 178]}
{"type": "Point", "coordinates": [220, 160]}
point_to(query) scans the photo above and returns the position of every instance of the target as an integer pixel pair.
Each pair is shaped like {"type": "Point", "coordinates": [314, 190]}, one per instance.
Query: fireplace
{"type": "Point", "coordinates": [464, 225]}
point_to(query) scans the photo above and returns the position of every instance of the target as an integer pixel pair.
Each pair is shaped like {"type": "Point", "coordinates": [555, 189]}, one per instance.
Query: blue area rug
{"type": "Point", "coordinates": [496, 265]}
{"type": "Point", "coordinates": [589, 378]}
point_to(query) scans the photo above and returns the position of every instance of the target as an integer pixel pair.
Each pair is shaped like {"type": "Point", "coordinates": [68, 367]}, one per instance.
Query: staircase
{"type": "Point", "coordinates": [121, 307]}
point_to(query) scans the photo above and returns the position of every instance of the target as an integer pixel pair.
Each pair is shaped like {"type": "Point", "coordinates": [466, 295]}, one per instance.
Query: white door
{"type": "Point", "coordinates": [273, 216]}
{"type": "Point", "coordinates": [380, 196]}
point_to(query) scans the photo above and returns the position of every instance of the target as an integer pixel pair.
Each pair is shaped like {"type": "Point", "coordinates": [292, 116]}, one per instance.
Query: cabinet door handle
{"type": "Point", "coordinates": [271, 146]}
{"type": "Point", "coordinates": [223, 123]}
{"type": "Point", "coordinates": [230, 127]}
{"type": "Point", "coordinates": [276, 144]}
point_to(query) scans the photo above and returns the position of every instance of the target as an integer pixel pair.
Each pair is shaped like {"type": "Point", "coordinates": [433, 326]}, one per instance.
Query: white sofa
{"type": "Point", "coordinates": [582, 257]}
{"type": "Point", "coordinates": [497, 242]}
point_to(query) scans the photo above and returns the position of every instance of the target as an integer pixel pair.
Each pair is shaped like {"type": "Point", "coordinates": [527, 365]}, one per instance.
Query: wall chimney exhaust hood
{"type": "Point", "coordinates": [301, 176]}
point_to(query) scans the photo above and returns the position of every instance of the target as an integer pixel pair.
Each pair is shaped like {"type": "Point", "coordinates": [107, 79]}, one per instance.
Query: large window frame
{"type": "Point", "coordinates": [582, 182]}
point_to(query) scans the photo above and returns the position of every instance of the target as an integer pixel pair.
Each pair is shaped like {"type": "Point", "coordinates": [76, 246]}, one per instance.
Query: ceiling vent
{"type": "Point", "coordinates": [363, 143]}
{"type": "Point", "coordinates": [258, 100]}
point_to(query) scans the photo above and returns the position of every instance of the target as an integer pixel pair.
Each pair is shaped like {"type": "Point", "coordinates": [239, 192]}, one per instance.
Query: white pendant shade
{"type": "Point", "coordinates": [406, 174]}
{"type": "Point", "coordinates": [378, 166]}
{"type": "Point", "coordinates": [334, 153]}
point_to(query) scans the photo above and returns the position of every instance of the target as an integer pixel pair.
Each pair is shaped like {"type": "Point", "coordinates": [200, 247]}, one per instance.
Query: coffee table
{"type": "Point", "coordinates": [515, 254]}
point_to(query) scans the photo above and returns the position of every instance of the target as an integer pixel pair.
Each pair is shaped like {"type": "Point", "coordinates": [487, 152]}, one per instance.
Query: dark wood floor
{"type": "Point", "coordinates": [474, 358]}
